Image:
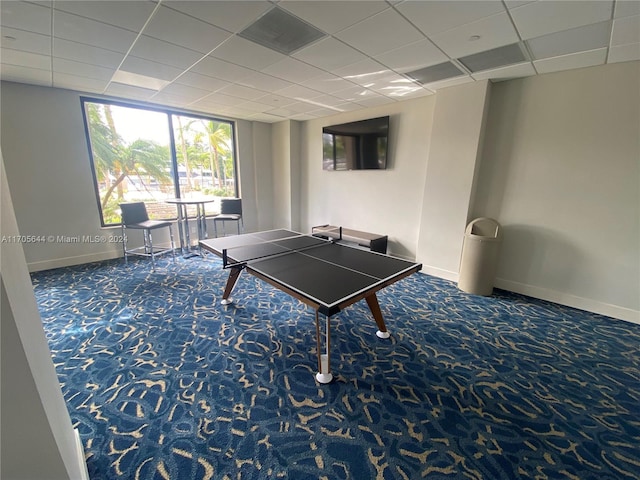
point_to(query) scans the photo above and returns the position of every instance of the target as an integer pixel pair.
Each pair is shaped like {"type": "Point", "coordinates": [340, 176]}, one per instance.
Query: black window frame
{"type": "Point", "coordinates": [169, 112]}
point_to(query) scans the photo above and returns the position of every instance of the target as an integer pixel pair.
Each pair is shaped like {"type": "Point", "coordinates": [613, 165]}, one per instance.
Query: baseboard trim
{"type": "Point", "coordinates": [594, 306]}
{"type": "Point", "coordinates": [561, 298]}
{"type": "Point", "coordinates": [82, 463]}
{"type": "Point", "coordinates": [440, 273]}
{"type": "Point", "coordinates": [71, 261]}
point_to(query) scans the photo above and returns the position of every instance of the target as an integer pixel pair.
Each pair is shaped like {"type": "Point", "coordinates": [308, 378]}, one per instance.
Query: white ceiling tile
{"type": "Point", "coordinates": [26, 16]}
{"type": "Point", "coordinates": [323, 112]}
{"type": "Point", "coordinates": [239, 111]}
{"type": "Point", "coordinates": [183, 30]}
{"type": "Point", "coordinates": [293, 70]}
{"type": "Point", "coordinates": [241, 91]}
{"type": "Point", "coordinates": [371, 101]}
{"type": "Point", "coordinates": [131, 14]}
{"type": "Point", "coordinates": [274, 100]}
{"type": "Point", "coordinates": [327, 100]}
{"type": "Point", "coordinates": [341, 15]}
{"type": "Point", "coordinates": [625, 8]}
{"type": "Point", "coordinates": [302, 117]}
{"type": "Point", "coordinates": [203, 82]}
{"type": "Point", "coordinates": [255, 106]}
{"type": "Point", "coordinates": [506, 73]}
{"type": "Point", "coordinates": [412, 93]}
{"type": "Point", "coordinates": [349, 107]}
{"type": "Point", "coordinates": [351, 93]}
{"type": "Point", "coordinates": [329, 54]}
{"type": "Point", "coordinates": [248, 54]}
{"type": "Point", "coordinates": [624, 53]}
{"type": "Point", "coordinates": [626, 30]}
{"type": "Point", "coordinates": [413, 56]}
{"type": "Point", "coordinates": [328, 83]}
{"type": "Point", "coordinates": [229, 15]}
{"type": "Point", "coordinates": [81, 52]}
{"type": "Point", "coordinates": [267, 117]}
{"type": "Point", "coordinates": [83, 30]}
{"type": "Point", "coordinates": [492, 32]}
{"type": "Point", "coordinates": [540, 18]}
{"type": "Point", "coordinates": [152, 49]}
{"type": "Point", "coordinates": [149, 68]}
{"type": "Point", "coordinates": [214, 67]}
{"type": "Point", "coordinates": [71, 67]}
{"type": "Point", "coordinates": [284, 112]}
{"type": "Point", "coordinates": [264, 82]}
{"type": "Point", "coordinates": [295, 107]}
{"type": "Point", "coordinates": [384, 31]}
{"type": "Point", "coordinates": [17, 73]}
{"type": "Point", "coordinates": [168, 99]}
{"type": "Point", "coordinates": [402, 91]}
{"type": "Point", "coordinates": [25, 59]}
{"type": "Point", "coordinates": [75, 82]}
{"type": "Point", "coordinates": [25, 41]}
{"type": "Point", "coordinates": [575, 60]}
{"type": "Point", "coordinates": [187, 93]}
{"type": "Point", "coordinates": [433, 17]}
{"type": "Point", "coordinates": [362, 72]}
{"type": "Point", "coordinates": [580, 39]}
{"type": "Point", "coordinates": [450, 82]}
{"type": "Point", "coordinates": [219, 99]}
{"type": "Point", "coordinates": [390, 78]}
{"type": "Point", "coordinates": [129, 91]}
{"type": "Point", "coordinates": [297, 91]}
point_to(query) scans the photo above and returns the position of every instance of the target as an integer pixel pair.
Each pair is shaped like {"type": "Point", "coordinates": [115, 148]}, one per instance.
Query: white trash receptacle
{"type": "Point", "coordinates": [479, 261]}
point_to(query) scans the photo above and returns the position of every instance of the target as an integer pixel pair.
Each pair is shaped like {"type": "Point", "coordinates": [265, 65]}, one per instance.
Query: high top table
{"type": "Point", "coordinates": [183, 219]}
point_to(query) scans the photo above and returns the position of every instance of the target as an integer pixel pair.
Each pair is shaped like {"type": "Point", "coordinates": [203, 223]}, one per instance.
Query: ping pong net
{"type": "Point", "coordinates": [243, 254]}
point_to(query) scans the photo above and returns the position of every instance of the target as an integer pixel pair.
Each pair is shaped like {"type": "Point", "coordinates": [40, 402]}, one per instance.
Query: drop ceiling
{"type": "Point", "coordinates": [233, 59]}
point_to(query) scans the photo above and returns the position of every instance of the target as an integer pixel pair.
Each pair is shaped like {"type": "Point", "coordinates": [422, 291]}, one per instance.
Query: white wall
{"type": "Point", "coordinates": [561, 172]}
{"type": "Point", "coordinates": [47, 164]}
{"type": "Point", "coordinates": [281, 175]}
{"type": "Point", "coordinates": [254, 165]}
{"type": "Point", "coordinates": [458, 128]}
{"type": "Point", "coordinates": [378, 201]}
{"type": "Point", "coordinates": [48, 167]}
{"type": "Point", "coordinates": [558, 167]}
{"type": "Point", "coordinates": [37, 438]}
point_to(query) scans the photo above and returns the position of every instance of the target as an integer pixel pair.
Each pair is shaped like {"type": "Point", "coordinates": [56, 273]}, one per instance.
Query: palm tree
{"type": "Point", "coordinates": [114, 160]}
{"type": "Point", "coordinates": [218, 136]}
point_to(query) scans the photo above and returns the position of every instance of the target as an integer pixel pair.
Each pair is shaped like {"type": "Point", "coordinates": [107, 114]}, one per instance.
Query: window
{"type": "Point", "coordinates": [144, 154]}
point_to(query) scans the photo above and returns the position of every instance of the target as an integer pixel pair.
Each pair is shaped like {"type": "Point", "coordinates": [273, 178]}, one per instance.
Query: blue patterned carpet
{"type": "Point", "coordinates": [164, 383]}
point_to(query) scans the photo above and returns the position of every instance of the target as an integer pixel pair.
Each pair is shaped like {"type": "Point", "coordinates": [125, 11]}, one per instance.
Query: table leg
{"type": "Point", "coordinates": [374, 306]}
{"type": "Point", "coordinates": [180, 227]}
{"type": "Point", "coordinates": [234, 274]}
{"type": "Point", "coordinates": [201, 226]}
{"type": "Point", "coordinates": [186, 229]}
{"type": "Point", "coordinates": [324, 360]}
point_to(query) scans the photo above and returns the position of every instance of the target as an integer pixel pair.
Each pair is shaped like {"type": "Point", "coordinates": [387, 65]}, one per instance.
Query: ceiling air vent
{"type": "Point", "coordinates": [498, 57]}
{"type": "Point", "coordinates": [281, 31]}
{"type": "Point", "coordinates": [435, 73]}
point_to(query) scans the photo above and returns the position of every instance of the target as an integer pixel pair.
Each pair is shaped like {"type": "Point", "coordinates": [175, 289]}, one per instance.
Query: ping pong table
{"type": "Point", "coordinates": [320, 272]}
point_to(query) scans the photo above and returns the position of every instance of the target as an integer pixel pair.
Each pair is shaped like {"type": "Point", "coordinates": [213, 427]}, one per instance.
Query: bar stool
{"type": "Point", "coordinates": [135, 217]}
{"type": "Point", "coordinates": [230, 211]}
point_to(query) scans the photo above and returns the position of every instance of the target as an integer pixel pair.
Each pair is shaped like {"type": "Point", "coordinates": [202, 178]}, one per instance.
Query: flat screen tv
{"type": "Point", "coordinates": [361, 145]}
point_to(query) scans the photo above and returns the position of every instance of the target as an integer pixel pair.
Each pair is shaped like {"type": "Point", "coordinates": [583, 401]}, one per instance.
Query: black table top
{"type": "Point", "coordinates": [327, 273]}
